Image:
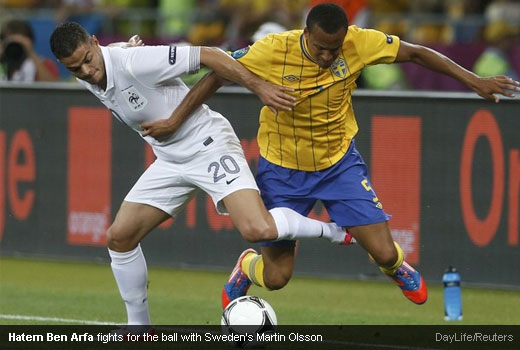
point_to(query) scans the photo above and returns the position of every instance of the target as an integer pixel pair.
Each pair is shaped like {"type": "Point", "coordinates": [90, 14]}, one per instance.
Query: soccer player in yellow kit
{"type": "Point", "coordinates": [309, 153]}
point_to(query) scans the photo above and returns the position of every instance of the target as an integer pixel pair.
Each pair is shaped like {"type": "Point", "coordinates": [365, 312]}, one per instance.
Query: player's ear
{"type": "Point", "coordinates": [95, 40]}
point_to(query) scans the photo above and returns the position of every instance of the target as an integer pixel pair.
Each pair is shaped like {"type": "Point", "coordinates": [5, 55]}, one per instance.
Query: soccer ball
{"type": "Point", "coordinates": [249, 320]}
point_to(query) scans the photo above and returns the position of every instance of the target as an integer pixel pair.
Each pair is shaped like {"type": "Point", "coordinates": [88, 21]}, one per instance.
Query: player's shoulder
{"type": "Point", "coordinates": [357, 36]}
{"type": "Point", "coordinates": [355, 32]}
{"type": "Point", "coordinates": [283, 38]}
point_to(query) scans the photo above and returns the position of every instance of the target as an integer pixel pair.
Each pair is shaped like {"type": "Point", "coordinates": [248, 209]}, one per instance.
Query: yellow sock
{"type": "Point", "coordinates": [400, 258]}
{"type": "Point", "coordinates": [253, 267]}
{"type": "Point", "coordinates": [390, 270]}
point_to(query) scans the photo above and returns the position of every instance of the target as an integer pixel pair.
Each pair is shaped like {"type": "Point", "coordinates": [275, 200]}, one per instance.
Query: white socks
{"type": "Point", "coordinates": [131, 276]}
{"type": "Point", "coordinates": [291, 225]}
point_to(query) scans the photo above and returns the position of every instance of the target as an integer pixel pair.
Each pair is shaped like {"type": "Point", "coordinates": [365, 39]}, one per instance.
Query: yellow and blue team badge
{"type": "Point", "coordinates": [339, 68]}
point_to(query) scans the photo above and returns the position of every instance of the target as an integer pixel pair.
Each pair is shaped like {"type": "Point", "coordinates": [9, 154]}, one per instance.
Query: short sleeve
{"type": "Point", "coordinates": [257, 57]}
{"type": "Point", "coordinates": [156, 65]}
{"type": "Point", "coordinates": [375, 47]}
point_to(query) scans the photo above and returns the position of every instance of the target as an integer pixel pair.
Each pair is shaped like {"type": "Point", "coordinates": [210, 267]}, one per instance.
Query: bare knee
{"type": "Point", "coordinates": [257, 231]}
{"type": "Point", "coordinates": [119, 239]}
{"type": "Point", "coordinates": [278, 279]}
{"type": "Point", "coordinates": [385, 255]}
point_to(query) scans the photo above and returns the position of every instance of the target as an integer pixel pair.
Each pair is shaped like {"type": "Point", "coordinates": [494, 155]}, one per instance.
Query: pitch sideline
{"type": "Point", "coordinates": [56, 319]}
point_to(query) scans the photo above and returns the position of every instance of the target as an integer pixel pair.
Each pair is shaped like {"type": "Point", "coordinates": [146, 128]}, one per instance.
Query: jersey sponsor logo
{"type": "Point", "coordinates": [291, 78]}
{"type": "Point", "coordinates": [172, 57]}
{"type": "Point", "coordinates": [239, 53]}
{"type": "Point", "coordinates": [339, 68]}
{"type": "Point", "coordinates": [134, 99]}
{"type": "Point", "coordinates": [389, 39]}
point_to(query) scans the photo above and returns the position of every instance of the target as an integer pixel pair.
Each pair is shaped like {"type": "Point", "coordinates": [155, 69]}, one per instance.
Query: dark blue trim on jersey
{"type": "Point", "coordinates": [307, 54]}
{"type": "Point", "coordinates": [172, 57]}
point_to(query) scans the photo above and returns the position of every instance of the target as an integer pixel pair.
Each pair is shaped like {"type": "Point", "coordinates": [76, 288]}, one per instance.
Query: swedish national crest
{"type": "Point", "coordinates": [339, 68]}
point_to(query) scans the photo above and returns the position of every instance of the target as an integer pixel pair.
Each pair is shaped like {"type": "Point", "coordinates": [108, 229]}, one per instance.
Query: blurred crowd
{"type": "Point", "coordinates": [479, 34]}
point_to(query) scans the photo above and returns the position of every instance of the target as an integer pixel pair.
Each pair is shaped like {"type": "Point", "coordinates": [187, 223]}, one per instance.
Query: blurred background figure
{"type": "Point", "coordinates": [81, 11]}
{"type": "Point", "coordinates": [19, 61]}
{"type": "Point", "coordinates": [389, 16]}
{"type": "Point", "coordinates": [208, 24]}
{"type": "Point", "coordinates": [465, 30]}
{"type": "Point", "coordinates": [501, 38]}
{"type": "Point", "coordinates": [267, 28]}
{"type": "Point", "coordinates": [246, 17]}
{"type": "Point", "coordinates": [177, 16]}
{"type": "Point", "coordinates": [111, 16]}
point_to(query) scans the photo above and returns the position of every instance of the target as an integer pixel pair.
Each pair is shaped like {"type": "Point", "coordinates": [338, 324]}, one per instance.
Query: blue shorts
{"type": "Point", "coordinates": [344, 189]}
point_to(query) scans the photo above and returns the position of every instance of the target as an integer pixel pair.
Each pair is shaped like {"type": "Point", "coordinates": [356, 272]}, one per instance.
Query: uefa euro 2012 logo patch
{"type": "Point", "coordinates": [240, 53]}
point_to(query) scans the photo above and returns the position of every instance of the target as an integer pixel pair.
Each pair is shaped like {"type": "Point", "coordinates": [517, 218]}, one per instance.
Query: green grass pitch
{"type": "Point", "coordinates": [87, 292]}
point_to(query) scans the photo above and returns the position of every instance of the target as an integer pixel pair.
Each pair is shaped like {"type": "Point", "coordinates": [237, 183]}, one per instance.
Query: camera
{"type": "Point", "coordinates": [13, 53]}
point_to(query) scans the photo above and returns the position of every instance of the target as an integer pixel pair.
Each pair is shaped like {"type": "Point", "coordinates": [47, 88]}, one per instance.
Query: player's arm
{"type": "Point", "coordinates": [431, 59]}
{"type": "Point", "coordinates": [200, 92]}
{"type": "Point", "coordinates": [228, 68]}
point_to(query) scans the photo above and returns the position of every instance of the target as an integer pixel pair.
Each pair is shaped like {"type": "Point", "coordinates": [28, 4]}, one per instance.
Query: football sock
{"type": "Point", "coordinates": [291, 225]}
{"type": "Point", "coordinates": [390, 270]}
{"type": "Point", "coordinates": [131, 276]}
{"type": "Point", "coordinates": [253, 267]}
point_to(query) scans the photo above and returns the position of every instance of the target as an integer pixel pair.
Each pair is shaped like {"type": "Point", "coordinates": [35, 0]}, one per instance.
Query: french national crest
{"type": "Point", "coordinates": [135, 100]}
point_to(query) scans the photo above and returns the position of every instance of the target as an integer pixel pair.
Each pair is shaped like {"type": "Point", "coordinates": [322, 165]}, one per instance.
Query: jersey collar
{"type": "Point", "coordinates": [305, 51]}
{"type": "Point", "coordinates": [108, 68]}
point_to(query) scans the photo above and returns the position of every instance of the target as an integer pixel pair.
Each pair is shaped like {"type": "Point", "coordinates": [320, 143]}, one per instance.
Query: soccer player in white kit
{"type": "Point", "coordinates": [140, 85]}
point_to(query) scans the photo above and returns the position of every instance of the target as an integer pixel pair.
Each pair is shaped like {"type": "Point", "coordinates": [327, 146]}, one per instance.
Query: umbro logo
{"type": "Point", "coordinates": [291, 78]}
{"type": "Point", "coordinates": [230, 181]}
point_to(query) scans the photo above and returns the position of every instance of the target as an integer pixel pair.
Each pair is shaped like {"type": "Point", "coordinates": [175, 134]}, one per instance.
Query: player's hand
{"type": "Point", "coordinates": [275, 97]}
{"type": "Point", "coordinates": [490, 88]}
{"type": "Point", "coordinates": [135, 41]}
{"type": "Point", "coordinates": [160, 129]}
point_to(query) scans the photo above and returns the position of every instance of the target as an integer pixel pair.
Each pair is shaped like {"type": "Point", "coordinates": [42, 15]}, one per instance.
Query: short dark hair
{"type": "Point", "coordinates": [329, 17]}
{"type": "Point", "coordinates": [17, 26]}
{"type": "Point", "coordinates": [66, 38]}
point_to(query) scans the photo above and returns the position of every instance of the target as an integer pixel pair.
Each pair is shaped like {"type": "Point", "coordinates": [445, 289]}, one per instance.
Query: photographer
{"type": "Point", "coordinates": [19, 61]}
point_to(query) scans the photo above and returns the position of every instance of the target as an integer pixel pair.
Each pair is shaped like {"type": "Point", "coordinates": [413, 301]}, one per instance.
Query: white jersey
{"type": "Point", "coordinates": [143, 85]}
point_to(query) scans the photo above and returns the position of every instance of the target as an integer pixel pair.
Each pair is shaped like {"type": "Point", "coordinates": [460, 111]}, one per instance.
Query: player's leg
{"type": "Point", "coordinates": [257, 224]}
{"type": "Point", "coordinates": [388, 255]}
{"type": "Point", "coordinates": [133, 221]}
{"type": "Point", "coordinates": [353, 203]}
{"type": "Point", "coordinates": [222, 171]}
{"type": "Point", "coordinates": [274, 267]}
{"type": "Point", "coordinates": [252, 219]}
{"type": "Point", "coordinates": [157, 195]}
{"type": "Point", "coordinates": [271, 270]}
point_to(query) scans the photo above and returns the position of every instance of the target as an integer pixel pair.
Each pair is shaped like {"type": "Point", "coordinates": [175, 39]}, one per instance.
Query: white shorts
{"type": "Point", "coordinates": [219, 169]}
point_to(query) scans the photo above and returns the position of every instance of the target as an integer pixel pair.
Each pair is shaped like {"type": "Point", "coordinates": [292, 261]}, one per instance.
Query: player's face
{"type": "Point", "coordinates": [86, 63]}
{"type": "Point", "coordinates": [324, 47]}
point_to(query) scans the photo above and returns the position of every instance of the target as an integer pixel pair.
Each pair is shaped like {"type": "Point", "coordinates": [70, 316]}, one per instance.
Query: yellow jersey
{"type": "Point", "coordinates": [318, 131]}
